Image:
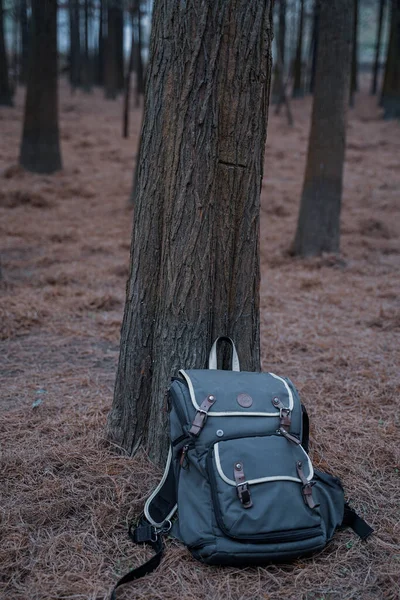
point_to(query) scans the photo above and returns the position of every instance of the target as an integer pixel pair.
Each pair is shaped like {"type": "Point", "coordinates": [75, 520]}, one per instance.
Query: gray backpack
{"type": "Point", "coordinates": [238, 474]}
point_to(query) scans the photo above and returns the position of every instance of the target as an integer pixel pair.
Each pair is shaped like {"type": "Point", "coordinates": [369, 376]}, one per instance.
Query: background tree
{"type": "Point", "coordinates": [279, 63]}
{"type": "Point", "coordinates": [354, 56]}
{"type": "Point", "coordinates": [391, 84]}
{"type": "Point", "coordinates": [5, 86]}
{"type": "Point", "coordinates": [112, 52]}
{"type": "Point", "coordinates": [314, 45]}
{"type": "Point", "coordinates": [375, 73]}
{"type": "Point", "coordinates": [25, 39]}
{"type": "Point", "coordinates": [74, 43]}
{"type": "Point", "coordinates": [318, 228]}
{"type": "Point", "coordinates": [195, 248]}
{"type": "Point", "coordinates": [40, 148]}
{"type": "Point", "coordinates": [298, 89]}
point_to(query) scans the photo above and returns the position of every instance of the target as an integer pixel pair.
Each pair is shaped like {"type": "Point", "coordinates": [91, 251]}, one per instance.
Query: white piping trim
{"type": "Point", "coordinates": [212, 359]}
{"type": "Point", "coordinates": [289, 391]}
{"type": "Point", "coordinates": [260, 479]}
{"type": "Point", "coordinates": [213, 413]}
{"type": "Point", "coordinates": [149, 500]}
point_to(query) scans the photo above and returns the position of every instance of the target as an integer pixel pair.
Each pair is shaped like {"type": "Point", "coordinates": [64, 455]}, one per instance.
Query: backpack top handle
{"type": "Point", "coordinates": [212, 360]}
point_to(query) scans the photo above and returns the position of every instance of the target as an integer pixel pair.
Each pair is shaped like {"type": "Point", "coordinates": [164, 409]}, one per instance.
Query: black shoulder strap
{"type": "Point", "coordinates": [143, 534]}
{"type": "Point", "coordinates": [159, 508]}
{"type": "Point", "coordinates": [358, 525]}
{"type": "Point", "coordinates": [161, 505]}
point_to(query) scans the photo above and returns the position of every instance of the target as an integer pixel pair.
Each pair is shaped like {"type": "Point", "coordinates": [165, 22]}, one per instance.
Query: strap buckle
{"type": "Point", "coordinates": [201, 415]}
{"type": "Point", "coordinates": [243, 493]}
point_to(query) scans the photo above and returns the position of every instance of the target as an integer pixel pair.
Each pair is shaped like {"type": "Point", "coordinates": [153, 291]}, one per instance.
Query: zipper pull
{"type": "Point", "coordinates": [183, 461]}
{"type": "Point", "coordinates": [284, 412]}
{"type": "Point", "coordinates": [289, 436]}
{"type": "Point", "coordinates": [307, 486]}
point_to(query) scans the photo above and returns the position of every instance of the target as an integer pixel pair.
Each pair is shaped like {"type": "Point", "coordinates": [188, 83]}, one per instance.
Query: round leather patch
{"type": "Point", "coordinates": [244, 400]}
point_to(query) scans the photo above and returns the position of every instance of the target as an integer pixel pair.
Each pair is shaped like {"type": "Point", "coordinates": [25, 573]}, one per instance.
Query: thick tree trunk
{"type": "Point", "coordinates": [40, 148]}
{"type": "Point", "coordinates": [298, 89]}
{"type": "Point", "coordinates": [195, 248]}
{"type": "Point", "coordinates": [74, 44]}
{"type": "Point", "coordinates": [5, 86]}
{"type": "Point", "coordinates": [375, 73]}
{"type": "Point", "coordinates": [318, 228]}
{"type": "Point", "coordinates": [354, 57]}
{"type": "Point", "coordinates": [391, 84]}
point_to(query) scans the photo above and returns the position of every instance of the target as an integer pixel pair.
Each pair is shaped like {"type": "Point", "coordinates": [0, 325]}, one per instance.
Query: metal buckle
{"type": "Point", "coordinates": [243, 493]}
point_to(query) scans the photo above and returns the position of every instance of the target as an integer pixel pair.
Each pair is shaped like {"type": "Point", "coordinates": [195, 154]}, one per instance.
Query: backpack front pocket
{"type": "Point", "coordinates": [261, 488]}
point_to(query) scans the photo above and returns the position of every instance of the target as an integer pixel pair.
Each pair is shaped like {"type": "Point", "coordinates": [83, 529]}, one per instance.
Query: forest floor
{"type": "Point", "coordinates": [331, 324]}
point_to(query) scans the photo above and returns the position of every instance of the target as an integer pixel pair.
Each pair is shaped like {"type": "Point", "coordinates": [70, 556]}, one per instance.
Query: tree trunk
{"type": "Point", "coordinates": [127, 91]}
{"type": "Point", "coordinates": [86, 71]}
{"type": "Point", "coordinates": [139, 59]}
{"type": "Point", "coordinates": [298, 89]}
{"type": "Point", "coordinates": [100, 49]}
{"type": "Point", "coordinates": [40, 149]}
{"type": "Point", "coordinates": [354, 57]}
{"type": "Point", "coordinates": [314, 45]}
{"type": "Point", "coordinates": [280, 49]}
{"type": "Point", "coordinates": [391, 84]}
{"type": "Point", "coordinates": [5, 86]}
{"type": "Point", "coordinates": [110, 63]}
{"type": "Point", "coordinates": [74, 44]}
{"type": "Point", "coordinates": [25, 40]}
{"type": "Point", "coordinates": [374, 84]}
{"type": "Point", "coordinates": [195, 248]}
{"type": "Point", "coordinates": [318, 228]}
{"type": "Point", "coordinates": [119, 45]}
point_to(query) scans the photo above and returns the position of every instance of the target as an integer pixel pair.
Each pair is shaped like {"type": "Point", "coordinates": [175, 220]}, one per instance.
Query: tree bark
{"type": "Point", "coordinates": [375, 73]}
{"type": "Point", "coordinates": [195, 248]}
{"type": "Point", "coordinates": [318, 228]}
{"type": "Point", "coordinates": [40, 148]}
{"type": "Point", "coordinates": [391, 83]}
{"type": "Point", "coordinates": [298, 89]}
{"type": "Point", "coordinates": [5, 86]}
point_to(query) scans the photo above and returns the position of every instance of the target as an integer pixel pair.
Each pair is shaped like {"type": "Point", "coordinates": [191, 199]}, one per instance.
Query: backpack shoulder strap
{"type": "Point", "coordinates": [161, 504]}
{"type": "Point", "coordinates": [158, 511]}
{"type": "Point", "coordinates": [357, 524]}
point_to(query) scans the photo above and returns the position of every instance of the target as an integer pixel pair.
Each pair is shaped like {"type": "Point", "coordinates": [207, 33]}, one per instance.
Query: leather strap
{"type": "Point", "coordinates": [201, 415]}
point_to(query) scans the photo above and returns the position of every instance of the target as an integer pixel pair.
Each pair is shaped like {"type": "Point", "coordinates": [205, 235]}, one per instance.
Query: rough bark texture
{"type": "Point", "coordinates": [5, 87]}
{"type": "Point", "coordinates": [391, 84]}
{"type": "Point", "coordinates": [40, 148]}
{"type": "Point", "coordinates": [375, 73]}
{"type": "Point", "coordinates": [195, 247]}
{"type": "Point", "coordinates": [298, 63]}
{"type": "Point", "coordinates": [318, 228]}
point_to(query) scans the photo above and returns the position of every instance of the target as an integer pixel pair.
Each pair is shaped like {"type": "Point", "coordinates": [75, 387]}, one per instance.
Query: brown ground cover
{"type": "Point", "coordinates": [332, 325]}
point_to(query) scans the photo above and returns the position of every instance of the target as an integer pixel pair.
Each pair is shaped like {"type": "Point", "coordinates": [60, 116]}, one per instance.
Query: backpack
{"type": "Point", "coordinates": [239, 475]}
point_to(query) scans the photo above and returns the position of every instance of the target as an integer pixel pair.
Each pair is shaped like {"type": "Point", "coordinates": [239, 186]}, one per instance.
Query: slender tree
{"type": "Point", "coordinates": [139, 91]}
{"type": "Point", "coordinates": [298, 89]}
{"type": "Point", "coordinates": [375, 72]}
{"type": "Point", "coordinates": [40, 148]}
{"type": "Point", "coordinates": [111, 78]}
{"type": "Point", "coordinates": [279, 67]}
{"type": "Point", "coordinates": [86, 63]}
{"type": "Point", "coordinates": [314, 45]}
{"type": "Point", "coordinates": [195, 257]}
{"type": "Point", "coordinates": [354, 57]}
{"type": "Point", "coordinates": [25, 39]}
{"type": "Point", "coordinates": [391, 84]}
{"type": "Point", "coordinates": [100, 45]}
{"type": "Point", "coordinates": [318, 228]}
{"type": "Point", "coordinates": [5, 85]}
{"type": "Point", "coordinates": [74, 43]}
